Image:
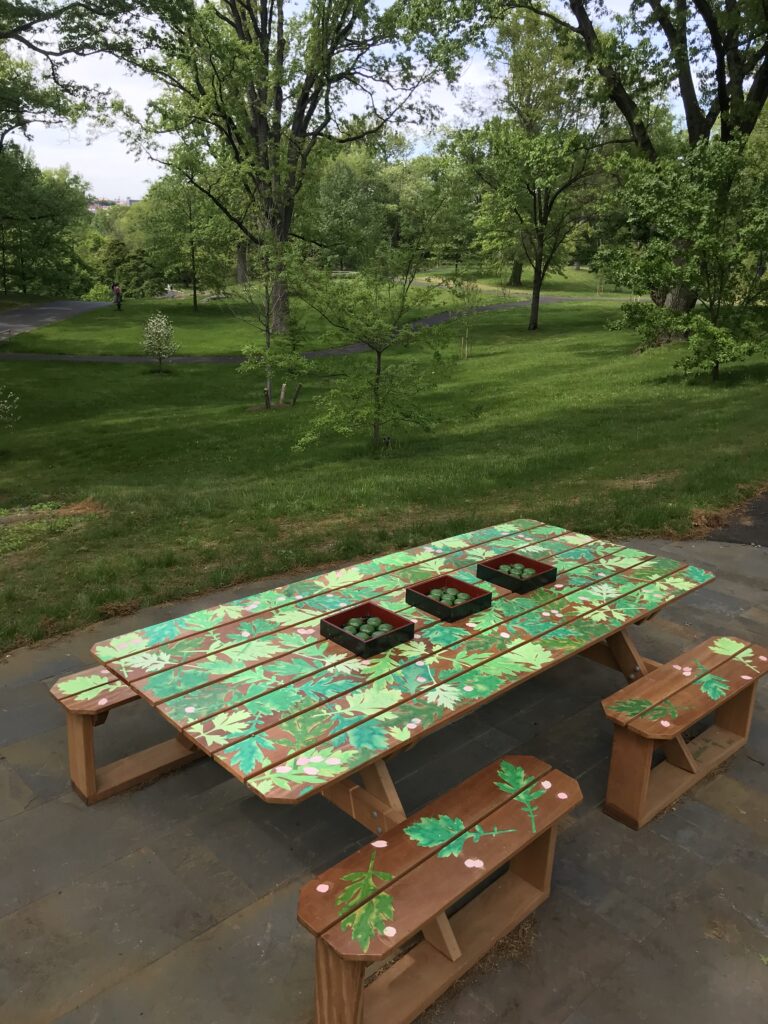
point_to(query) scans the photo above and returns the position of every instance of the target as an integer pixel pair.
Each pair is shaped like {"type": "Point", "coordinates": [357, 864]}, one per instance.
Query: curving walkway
{"type": "Point", "coordinates": [48, 314]}
{"type": "Point", "coordinates": [29, 318]}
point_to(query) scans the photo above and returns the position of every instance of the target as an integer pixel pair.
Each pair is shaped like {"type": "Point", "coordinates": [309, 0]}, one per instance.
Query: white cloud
{"type": "Point", "coordinates": [101, 157]}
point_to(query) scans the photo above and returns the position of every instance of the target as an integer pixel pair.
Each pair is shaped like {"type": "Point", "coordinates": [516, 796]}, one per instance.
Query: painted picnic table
{"type": "Point", "coordinates": [253, 684]}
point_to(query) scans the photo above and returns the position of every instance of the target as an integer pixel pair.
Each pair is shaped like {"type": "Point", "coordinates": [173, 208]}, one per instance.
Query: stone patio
{"type": "Point", "coordinates": [176, 903]}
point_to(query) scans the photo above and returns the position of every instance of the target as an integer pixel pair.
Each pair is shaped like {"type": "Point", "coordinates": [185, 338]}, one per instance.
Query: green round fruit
{"type": "Point", "coordinates": [436, 594]}
{"type": "Point", "coordinates": [460, 596]}
{"type": "Point", "coordinates": [378, 633]}
{"type": "Point", "coordinates": [384, 628]}
{"type": "Point", "coordinates": [451, 590]}
{"type": "Point", "coordinates": [374, 620]}
{"type": "Point", "coordinates": [356, 622]}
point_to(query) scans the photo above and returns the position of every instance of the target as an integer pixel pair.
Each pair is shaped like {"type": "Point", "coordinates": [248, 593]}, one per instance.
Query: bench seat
{"type": "Point", "coordinates": [88, 697]}
{"type": "Point", "coordinates": [718, 679]}
{"type": "Point", "coordinates": [404, 882]}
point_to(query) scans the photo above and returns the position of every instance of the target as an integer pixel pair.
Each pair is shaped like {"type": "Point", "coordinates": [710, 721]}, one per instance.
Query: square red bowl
{"type": "Point", "coordinates": [488, 570]}
{"type": "Point", "coordinates": [332, 628]}
{"type": "Point", "coordinates": [418, 596]}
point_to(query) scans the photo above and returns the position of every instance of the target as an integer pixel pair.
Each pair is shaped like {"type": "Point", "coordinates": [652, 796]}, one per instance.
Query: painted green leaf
{"type": "Point", "coordinates": [446, 696]}
{"type": "Point", "coordinates": [370, 919]}
{"type": "Point", "coordinates": [630, 706]}
{"type": "Point", "coordinates": [713, 686]}
{"type": "Point", "coordinates": [511, 777]}
{"type": "Point", "coordinates": [726, 647]}
{"type": "Point", "coordinates": [430, 832]}
{"type": "Point", "coordinates": [79, 684]}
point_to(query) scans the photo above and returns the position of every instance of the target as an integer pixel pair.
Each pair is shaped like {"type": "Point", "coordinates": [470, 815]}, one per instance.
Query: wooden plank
{"type": "Point", "coordinates": [394, 915]}
{"type": "Point", "coordinates": [361, 701]}
{"type": "Point", "coordinates": [396, 854]}
{"type": "Point", "coordinates": [215, 731]}
{"type": "Point", "coordinates": [642, 696]}
{"type": "Point", "coordinates": [628, 776]}
{"type": "Point", "coordinates": [626, 655]}
{"type": "Point", "coordinates": [101, 699]}
{"type": "Point", "coordinates": [423, 714]}
{"type": "Point", "coordinates": [414, 981]}
{"type": "Point", "coordinates": [142, 767]}
{"type": "Point", "coordinates": [231, 644]}
{"type": "Point", "coordinates": [706, 693]}
{"type": "Point", "coordinates": [196, 622]}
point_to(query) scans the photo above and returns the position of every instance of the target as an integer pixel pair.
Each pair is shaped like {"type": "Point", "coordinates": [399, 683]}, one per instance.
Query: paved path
{"type": "Point", "coordinates": [176, 903]}
{"type": "Point", "coordinates": [433, 320]}
{"type": "Point", "coordinates": [28, 318]}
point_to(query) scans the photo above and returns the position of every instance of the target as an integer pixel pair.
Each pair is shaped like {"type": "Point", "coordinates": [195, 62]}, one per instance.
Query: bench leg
{"type": "Point", "coordinates": [338, 987]}
{"type": "Point", "coordinates": [534, 863]}
{"type": "Point", "coordinates": [736, 714]}
{"type": "Point", "coordinates": [82, 762]}
{"type": "Point", "coordinates": [628, 777]}
{"type": "Point", "coordinates": [94, 784]}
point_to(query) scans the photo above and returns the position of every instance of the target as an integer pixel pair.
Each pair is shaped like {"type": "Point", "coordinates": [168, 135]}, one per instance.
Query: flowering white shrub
{"type": "Point", "coordinates": [159, 342]}
{"type": "Point", "coordinates": [9, 405]}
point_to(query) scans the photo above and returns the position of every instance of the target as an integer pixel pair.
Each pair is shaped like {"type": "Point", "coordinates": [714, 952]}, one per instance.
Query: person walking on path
{"type": "Point", "coordinates": [117, 295]}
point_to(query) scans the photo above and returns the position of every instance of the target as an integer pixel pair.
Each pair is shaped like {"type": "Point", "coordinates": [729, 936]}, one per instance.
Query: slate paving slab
{"type": "Point", "coordinates": [175, 904]}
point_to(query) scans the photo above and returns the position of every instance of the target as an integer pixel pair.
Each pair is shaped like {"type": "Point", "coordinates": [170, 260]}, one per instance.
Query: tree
{"type": "Point", "coordinates": [255, 89]}
{"type": "Point", "coordinates": [43, 215]}
{"type": "Point", "coordinates": [27, 98]}
{"type": "Point", "coordinates": [188, 239]}
{"type": "Point", "coordinates": [713, 197]}
{"type": "Point", "coordinates": [536, 158]}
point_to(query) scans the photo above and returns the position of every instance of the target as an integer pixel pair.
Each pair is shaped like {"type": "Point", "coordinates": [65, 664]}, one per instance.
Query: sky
{"type": "Point", "coordinates": [104, 161]}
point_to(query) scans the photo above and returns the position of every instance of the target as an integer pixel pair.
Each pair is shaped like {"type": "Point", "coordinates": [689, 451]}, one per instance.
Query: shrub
{"type": "Point", "coordinates": [9, 404]}
{"type": "Point", "coordinates": [159, 342]}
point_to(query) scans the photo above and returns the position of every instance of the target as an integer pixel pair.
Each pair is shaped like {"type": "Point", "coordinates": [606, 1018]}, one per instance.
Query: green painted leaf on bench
{"type": "Point", "coordinates": [712, 686]}
{"type": "Point", "coordinates": [370, 919]}
{"type": "Point", "coordinates": [726, 647]}
{"type": "Point", "coordinates": [639, 707]}
{"type": "Point", "coordinates": [79, 684]}
{"type": "Point", "coordinates": [449, 833]}
{"type": "Point", "coordinates": [431, 832]}
{"type": "Point", "coordinates": [512, 778]}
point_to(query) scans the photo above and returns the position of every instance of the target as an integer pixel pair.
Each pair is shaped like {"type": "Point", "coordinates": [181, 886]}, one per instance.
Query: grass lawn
{"type": "Point", "coordinates": [177, 488]}
{"type": "Point", "coordinates": [575, 283]}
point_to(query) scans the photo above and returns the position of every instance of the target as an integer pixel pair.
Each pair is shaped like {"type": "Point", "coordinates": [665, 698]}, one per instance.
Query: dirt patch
{"type": "Point", "coordinates": [49, 510]}
{"type": "Point", "coordinates": [643, 483]}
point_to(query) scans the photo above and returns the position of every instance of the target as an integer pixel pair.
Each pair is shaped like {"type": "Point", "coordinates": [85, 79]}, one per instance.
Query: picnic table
{"type": "Point", "coordinates": [254, 685]}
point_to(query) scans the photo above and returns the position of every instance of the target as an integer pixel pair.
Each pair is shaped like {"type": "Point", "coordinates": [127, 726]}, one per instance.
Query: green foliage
{"type": "Point", "coordinates": [9, 407]}
{"type": "Point", "coordinates": [712, 686]}
{"type": "Point", "coordinates": [42, 217]}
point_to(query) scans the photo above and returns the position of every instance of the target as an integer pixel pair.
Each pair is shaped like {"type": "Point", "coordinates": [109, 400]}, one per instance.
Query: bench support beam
{"type": "Point", "coordinates": [93, 784]}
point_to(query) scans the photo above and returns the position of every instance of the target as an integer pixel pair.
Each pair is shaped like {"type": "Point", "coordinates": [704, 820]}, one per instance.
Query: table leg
{"type": "Point", "coordinates": [619, 652]}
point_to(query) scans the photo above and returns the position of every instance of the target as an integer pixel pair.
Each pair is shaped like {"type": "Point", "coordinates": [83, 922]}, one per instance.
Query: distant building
{"type": "Point", "coordinates": [95, 205]}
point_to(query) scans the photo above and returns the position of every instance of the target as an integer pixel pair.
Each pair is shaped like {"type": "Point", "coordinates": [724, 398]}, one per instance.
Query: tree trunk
{"type": "Point", "coordinates": [715, 371]}
{"type": "Point", "coordinates": [538, 280]}
{"type": "Point", "coordinates": [279, 302]}
{"type": "Point", "coordinates": [516, 275]}
{"type": "Point", "coordinates": [241, 268]}
{"type": "Point", "coordinates": [193, 256]}
{"type": "Point", "coordinates": [377, 405]}
{"type": "Point", "coordinates": [680, 299]}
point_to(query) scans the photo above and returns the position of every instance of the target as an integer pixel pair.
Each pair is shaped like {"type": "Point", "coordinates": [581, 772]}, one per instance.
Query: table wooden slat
{"type": "Point", "coordinates": [299, 776]}
{"type": "Point", "coordinates": [196, 622]}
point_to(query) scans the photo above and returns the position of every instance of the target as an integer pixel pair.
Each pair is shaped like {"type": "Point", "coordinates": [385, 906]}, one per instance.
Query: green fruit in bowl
{"type": "Point", "coordinates": [374, 620]}
{"type": "Point", "coordinates": [356, 622]}
{"type": "Point", "coordinates": [461, 597]}
{"type": "Point", "coordinates": [384, 628]}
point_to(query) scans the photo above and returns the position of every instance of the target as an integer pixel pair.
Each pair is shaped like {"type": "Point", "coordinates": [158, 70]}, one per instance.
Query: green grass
{"type": "Point", "coordinates": [186, 490]}
{"type": "Point", "coordinates": [574, 283]}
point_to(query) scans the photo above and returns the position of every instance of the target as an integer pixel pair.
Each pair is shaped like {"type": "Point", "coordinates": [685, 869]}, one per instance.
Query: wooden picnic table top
{"type": "Point", "coordinates": [254, 684]}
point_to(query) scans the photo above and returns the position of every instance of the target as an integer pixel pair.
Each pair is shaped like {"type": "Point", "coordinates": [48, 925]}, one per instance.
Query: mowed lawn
{"type": "Point", "coordinates": [172, 485]}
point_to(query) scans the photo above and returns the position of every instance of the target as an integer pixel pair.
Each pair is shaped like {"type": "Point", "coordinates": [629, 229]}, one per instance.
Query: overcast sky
{"type": "Point", "coordinates": [114, 173]}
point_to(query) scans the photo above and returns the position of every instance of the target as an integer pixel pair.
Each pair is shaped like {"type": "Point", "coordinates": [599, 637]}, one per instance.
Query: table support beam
{"type": "Point", "coordinates": [619, 652]}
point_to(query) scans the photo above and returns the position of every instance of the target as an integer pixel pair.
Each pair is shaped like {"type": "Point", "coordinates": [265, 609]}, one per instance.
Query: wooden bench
{"type": "Point", "coordinates": [716, 679]}
{"type": "Point", "coordinates": [88, 697]}
{"type": "Point", "coordinates": [371, 905]}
